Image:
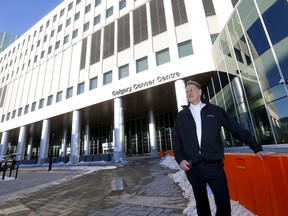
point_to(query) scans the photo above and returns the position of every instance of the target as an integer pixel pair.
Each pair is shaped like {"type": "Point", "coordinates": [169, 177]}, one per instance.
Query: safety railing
{"type": "Point", "coordinates": [9, 167]}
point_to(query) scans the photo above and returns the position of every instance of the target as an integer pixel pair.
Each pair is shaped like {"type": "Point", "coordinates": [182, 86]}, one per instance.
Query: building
{"type": "Point", "coordinates": [6, 39]}
{"type": "Point", "coordinates": [96, 76]}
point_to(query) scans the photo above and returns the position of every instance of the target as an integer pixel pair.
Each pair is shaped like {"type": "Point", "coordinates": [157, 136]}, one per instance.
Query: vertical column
{"type": "Point", "coordinates": [21, 143]}
{"type": "Point", "coordinates": [87, 140]}
{"type": "Point", "coordinates": [45, 136]}
{"type": "Point", "coordinates": [118, 130]}
{"type": "Point", "coordinates": [4, 143]}
{"type": "Point", "coordinates": [152, 132]}
{"type": "Point", "coordinates": [180, 94]}
{"type": "Point", "coordinates": [75, 137]}
{"type": "Point", "coordinates": [29, 148]}
{"type": "Point", "coordinates": [64, 144]}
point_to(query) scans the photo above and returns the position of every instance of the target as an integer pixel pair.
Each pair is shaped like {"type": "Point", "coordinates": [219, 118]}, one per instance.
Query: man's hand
{"type": "Point", "coordinates": [184, 165]}
{"type": "Point", "coordinates": [260, 154]}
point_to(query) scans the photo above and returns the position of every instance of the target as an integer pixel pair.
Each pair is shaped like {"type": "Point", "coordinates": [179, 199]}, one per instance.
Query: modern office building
{"type": "Point", "coordinates": [6, 39]}
{"type": "Point", "coordinates": [98, 76]}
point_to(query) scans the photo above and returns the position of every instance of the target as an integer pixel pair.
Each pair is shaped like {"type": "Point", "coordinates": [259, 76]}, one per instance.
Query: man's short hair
{"type": "Point", "coordinates": [191, 82]}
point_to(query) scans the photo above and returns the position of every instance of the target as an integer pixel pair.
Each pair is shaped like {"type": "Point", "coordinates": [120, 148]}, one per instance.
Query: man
{"type": "Point", "coordinates": [199, 149]}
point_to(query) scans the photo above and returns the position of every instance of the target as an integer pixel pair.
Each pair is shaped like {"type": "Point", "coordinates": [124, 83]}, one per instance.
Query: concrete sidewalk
{"type": "Point", "coordinates": [135, 187]}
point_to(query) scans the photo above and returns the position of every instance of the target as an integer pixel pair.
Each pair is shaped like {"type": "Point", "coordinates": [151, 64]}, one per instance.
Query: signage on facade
{"type": "Point", "coordinates": [147, 83]}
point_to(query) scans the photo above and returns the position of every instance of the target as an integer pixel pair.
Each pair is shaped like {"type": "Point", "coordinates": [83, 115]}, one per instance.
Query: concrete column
{"type": "Point", "coordinates": [29, 148]}
{"type": "Point", "coordinates": [45, 137]}
{"type": "Point", "coordinates": [152, 132]}
{"type": "Point", "coordinates": [4, 143]}
{"type": "Point", "coordinates": [180, 94]}
{"type": "Point", "coordinates": [118, 152]}
{"type": "Point", "coordinates": [87, 140]}
{"type": "Point", "coordinates": [21, 143]}
{"type": "Point", "coordinates": [239, 95]}
{"type": "Point", "coordinates": [75, 137]}
{"type": "Point", "coordinates": [64, 143]}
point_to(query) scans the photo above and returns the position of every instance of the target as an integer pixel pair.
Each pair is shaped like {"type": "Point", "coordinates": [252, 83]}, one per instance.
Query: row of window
{"type": "Point", "coordinates": [162, 57]}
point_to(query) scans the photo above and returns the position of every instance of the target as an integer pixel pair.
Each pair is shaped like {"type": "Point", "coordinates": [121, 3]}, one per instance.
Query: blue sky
{"type": "Point", "coordinates": [17, 16]}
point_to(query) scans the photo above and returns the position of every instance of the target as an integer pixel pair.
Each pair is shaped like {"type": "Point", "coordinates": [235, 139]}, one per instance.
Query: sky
{"type": "Point", "coordinates": [17, 16]}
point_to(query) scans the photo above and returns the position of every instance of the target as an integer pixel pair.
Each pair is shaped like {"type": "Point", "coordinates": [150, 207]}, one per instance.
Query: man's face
{"type": "Point", "coordinates": [193, 94]}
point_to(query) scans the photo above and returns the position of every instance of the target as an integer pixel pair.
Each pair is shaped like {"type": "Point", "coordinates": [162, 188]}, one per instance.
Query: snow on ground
{"type": "Point", "coordinates": [180, 178]}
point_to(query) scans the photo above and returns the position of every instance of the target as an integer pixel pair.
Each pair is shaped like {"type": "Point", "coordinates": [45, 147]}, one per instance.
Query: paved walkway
{"type": "Point", "coordinates": [135, 187]}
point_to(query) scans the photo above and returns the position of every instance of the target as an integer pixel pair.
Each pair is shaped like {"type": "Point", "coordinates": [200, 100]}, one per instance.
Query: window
{"type": "Point", "coordinates": [140, 24]}
{"type": "Point", "coordinates": [8, 116]}
{"type": "Point", "coordinates": [38, 43]}
{"type": "Point", "coordinates": [158, 20]}
{"type": "Point", "coordinates": [52, 33]}
{"type": "Point", "coordinates": [32, 47]}
{"type": "Point", "coordinates": [66, 39]}
{"type": "Point", "coordinates": [57, 45]}
{"type": "Point", "coordinates": [214, 37]}
{"type": "Point", "coordinates": [42, 54]}
{"type": "Point", "coordinates": [69, 92]}
{"type": "Point", "coordinates": [93, 83]}
{"type": "Point", "coordinates": [75, 33]}
{"type": "Point", "coordinates": [59, 28]}
{"type": "Point", "coordinates": [107, 78]}
{"type": "Point", "coordinates": [83, 54]}
{"type": "Point", "coordinates": [13, 114]}
{"type": "Point", "coordinates": [26, 109]}
{"type": "Point", "coordinates": [49, 49]}
{"type": "Point", "coordinates": [33, 106]}
{"type": "Point", "coordinates": [35, 58]}
{"type": "Point", "coordinates": [70, 6]}
{"type": "Point", "coordinates": [2, 118]}
{"type": "Point", "coordinates": [185, 49]}
{"type": "Point", "coordinates": [179, 12]}
{"type": "Point", "coordinates": [45, 39]}
{"type": "Point", "coordinates": [97, 19]}
{"type": "Point", "coordinates": [162, 57]}
{"type": "Point", "coordinates": [76, 16]}
{"type": "Point", "coordinates": [41, 28]}
{"type": "Point", "coordinates": [208, 7]}
{"type": "Point", "coordinates": [54, 18]}
{"type": "Point", "coordinates": [141, 64]}
{"type": "Point", "coordinates": [109, 12]}
{"type": "Point", "coordinates": [41, 104]}
{"type": "Point", "coordinates": [59, 96]}
{"type": "Point", "coordinates": [61, 12]}
{"type": "Point", "coordinates": [123, 71]}
{"type": "Point", "coordinates": [47, 23]}
{"type": "Point", "coordinates": [86, 26]}
{"type": "Point", "coordinates": [108, 49]}
{"type": "Point", "coordinates": [122, 4]}
{"type": "Point", "coordinates": [123, 33]}
{"type": "Point", "coordinates": [80, 88]}
{"type": "Point", "coordinates": [97, 2]}
{"type": "Point", "coordinates": [78, 1]}
{"type": "Point", "coordinates": [95, 47]}
{"type": "Point", "coordinates": [49, 100]}
{"type": "Point", "coordinates": [68, 22]}
{"type": "Point", "coordinates": [87, 8]}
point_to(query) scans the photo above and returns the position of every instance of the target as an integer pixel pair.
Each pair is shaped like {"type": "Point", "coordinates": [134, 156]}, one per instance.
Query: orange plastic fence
{"type": "Point", "coordinates": [259, 185]}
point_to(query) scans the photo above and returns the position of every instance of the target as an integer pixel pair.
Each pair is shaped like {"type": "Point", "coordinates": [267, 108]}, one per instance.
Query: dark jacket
{"type": "Point", "coordinates": [184, 136]}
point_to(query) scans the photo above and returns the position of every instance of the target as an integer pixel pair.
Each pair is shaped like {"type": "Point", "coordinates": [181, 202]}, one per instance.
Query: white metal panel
{"type": "Point", "coordinates": [65, 69]}
{"type": "Point", "coordinates": [56, 73]}
{"type": "Point", "coordinates": [47, 75]}
{"type": "Point", "coordinates": [160, 41]}
{"type": "Point", "coordinates": [183, 33]}
{"type": "Point", "coordinates": [26, 87]}
{"type": "Point", "coordinates": [75, 64]}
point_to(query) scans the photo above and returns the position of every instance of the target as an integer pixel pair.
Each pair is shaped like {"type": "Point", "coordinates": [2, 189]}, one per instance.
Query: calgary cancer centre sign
{"type": "Point", "coordinates": [148, 83]}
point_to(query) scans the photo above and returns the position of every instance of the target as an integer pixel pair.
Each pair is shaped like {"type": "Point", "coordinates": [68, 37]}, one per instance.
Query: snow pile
{"type": "Point", "coordinates": [180, 178]}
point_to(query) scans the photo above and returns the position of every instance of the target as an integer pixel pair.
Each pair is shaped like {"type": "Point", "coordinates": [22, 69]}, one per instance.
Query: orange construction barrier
{"type": "Point", "coordinates": [259, 185]}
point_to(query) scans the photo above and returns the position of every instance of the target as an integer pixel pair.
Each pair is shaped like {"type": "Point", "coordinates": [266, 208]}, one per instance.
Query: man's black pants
{"type": "Point", "coordinates": [213, 174]}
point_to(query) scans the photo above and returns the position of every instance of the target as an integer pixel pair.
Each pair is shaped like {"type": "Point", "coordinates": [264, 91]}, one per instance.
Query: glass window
{"type": "Point", "coordinates": [75, 33]}
{"type": "Point", "coordinates": [45, 39]}
{"type": "Point", "coordinates": [57, 45]}
{"type": "Point", "coordinates": [95, 47]}
{"type": "Point", "coordinates": [19, 112]}
{"type": "Point", "coordinates": [208, 7]}
{"type": "Point", "coordinates": [87, 8]}
{"type": "Point", "coordinates": [109, 12]}
{"type": "Point", "coordinates": [59, 28]}
{"type": "Point", "coordinates": [80, 88]}
{"type": "Point", "coordinates": [66, 39]}
{"type": "Point", "coordinates": [47, 23]}
{"type": "Point", "coordinates": [123, 71]}
{"type": "Point", "coordinates": [140, 24]}
{"type": "Point", "coordinates": [26, 109]}
{"type": "Point", "coordinates": [86, 26]}
{"type": "Point", "coordinates": [13, 114]}
{"type": "Point", "coordinates": [52, 33]}
{"type": "Point", "coordinates": [142, 64]}
{"type": "Point", "coordinates": [108, 49]}
{"type": "Point", "coordinates": [70, 6]}
{"type": "Point", "coordinates": [62, 12]}
{"type": "Point", "coordinates": [59, 96]}
{"type": "Point", "coordinates": [35, 58]}
{"type": "Point", "coordinates": [162, 57]}
{"type": "Point", "coordinates": [2, 118]}
{"type": "Point", "coordinates": [42, 54]}
{"type": "Point", "coordinates": [179, 12]}
{"type": "Point", "coordinates": [93, 83]}
{"type": "Point", "coordinates": [185, 49]}
{"type": "Point", "coordinates": [8, 116]}
{"type": "Point", "coordinates": [214, 37]}
{"type": "Point", "coordinates": [97, 19]}
{"type": "Point", "coordinates": [33, 106]}
{"type": "Point", "coordinates": [49, 49]}
{"type": "Point", "coordinates": [122, 4]}
{"type": "Point", "coordinates": [38, 43]}
{"type": "Point", "coordinates": [69, 92]}
{"type": "Point", "coordinates": [107, 78]}
{"type": "Point", "coordinates": [97, 2]}
{"type": "Point", "coordinates": [68, 22]}
{"type": "Point", "coordinates": [54, 18]}
{"type": "Point", "coordinates": [41, 104]}
{"type": "Point", "coordinates": [49, 100]}
{"type": "Point", "coordinates": [78, 1]}
{"type": "Point", "coordinates": [158, 20]}
{"type": "Point", "coordinates": [83, 54]}
{"type": "Point", "coordinates": [77, 16]}
{"type": "Point", "coordinates": [123, 33]}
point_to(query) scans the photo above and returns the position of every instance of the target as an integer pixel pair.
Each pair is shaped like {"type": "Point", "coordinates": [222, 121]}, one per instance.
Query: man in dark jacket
{"type": "Point", "coordinates": [199, 149]}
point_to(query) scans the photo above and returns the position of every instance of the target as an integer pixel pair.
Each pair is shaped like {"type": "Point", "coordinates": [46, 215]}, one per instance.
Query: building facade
{"type": "Point", "coordinates": [96, 76]}
{"type": "Point", "coordinates": [6, 39]}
